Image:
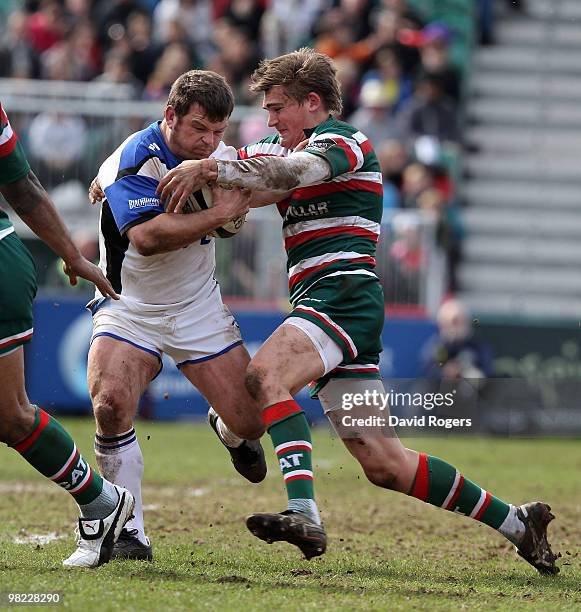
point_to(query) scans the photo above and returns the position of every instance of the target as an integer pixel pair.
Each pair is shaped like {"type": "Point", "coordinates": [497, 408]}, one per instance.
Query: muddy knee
{"type": "Point", "coordinates": [255, 382]}
{"type": "Point", "coordinates": [384, 476]}
{"type": "Point", "coordinates": [113, 411]}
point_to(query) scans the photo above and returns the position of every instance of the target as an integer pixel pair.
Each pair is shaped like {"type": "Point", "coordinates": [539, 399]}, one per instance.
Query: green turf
{"type": "Point", "coordinates": [386, 551]}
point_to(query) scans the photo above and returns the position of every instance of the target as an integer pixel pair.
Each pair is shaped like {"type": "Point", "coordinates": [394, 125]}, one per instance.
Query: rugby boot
{"type": "Point", "coordinates": [534, 547]}
{"type": "Point", "coordinates": [129, 546]}
{"type": "Point", "coordinates": [292, 527]}
{"type": "Point", "coordinates": [98, 536]}
{"type": "Point", "coordinates": [248, 458]}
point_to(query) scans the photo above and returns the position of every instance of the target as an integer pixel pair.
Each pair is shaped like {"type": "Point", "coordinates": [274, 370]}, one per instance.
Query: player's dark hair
{"type": "Point", "coordinates": [300, 73]}
{"type": "Point", "coordinates": [208, 89]}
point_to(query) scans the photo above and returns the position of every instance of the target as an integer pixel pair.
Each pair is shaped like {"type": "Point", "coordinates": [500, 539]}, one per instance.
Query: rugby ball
{"type": "Point", "coordinates": [202, 200]}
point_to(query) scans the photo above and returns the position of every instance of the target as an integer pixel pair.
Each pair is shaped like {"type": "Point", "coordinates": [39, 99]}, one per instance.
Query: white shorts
{"type": "Point", "coordinates": [195, 333]}
{"type": "Point", "coordinates": [329, 351]}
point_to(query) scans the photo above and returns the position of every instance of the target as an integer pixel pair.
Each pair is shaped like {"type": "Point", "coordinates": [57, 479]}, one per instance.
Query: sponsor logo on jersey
{"type": "Point", "coordinates": [140, 202]}
{"type": "Point", "coordinates": [322, 145]}
{"type": "Point", "coordinates": [320, 208]}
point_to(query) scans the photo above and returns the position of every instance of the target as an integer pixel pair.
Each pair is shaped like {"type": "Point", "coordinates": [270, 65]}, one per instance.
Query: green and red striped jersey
{"type": "Point", "coordinates": [330, 228]}
{"type": "Point", "coordinates": [13, 162]}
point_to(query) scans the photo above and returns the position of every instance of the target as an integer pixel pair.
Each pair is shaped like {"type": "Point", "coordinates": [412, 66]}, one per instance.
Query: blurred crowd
{"type": "Point", "coordinates": [401, 63]}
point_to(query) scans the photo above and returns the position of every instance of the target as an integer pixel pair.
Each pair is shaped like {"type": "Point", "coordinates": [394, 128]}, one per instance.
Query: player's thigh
{"type": "Point", "coordinates": [17, 292]}
{"type": "Point", "coordinates": [288, 360]}
{"type": "Point", "coordinates": [363, 426]}
{"type": "Point", "coordinates": [16, 414]}
{"type": "Point", "coordinates": [221, 382]}
{"type": "Point", "coordinates": [118, 373]}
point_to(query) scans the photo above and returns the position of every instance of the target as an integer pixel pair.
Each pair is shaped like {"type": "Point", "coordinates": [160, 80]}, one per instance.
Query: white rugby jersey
{"type": "Point", "coordinates": [129, 178]}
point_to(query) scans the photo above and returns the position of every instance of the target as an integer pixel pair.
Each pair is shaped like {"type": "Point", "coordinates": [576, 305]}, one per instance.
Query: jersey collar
{"type": "Point", "coordinates": [310, 131]}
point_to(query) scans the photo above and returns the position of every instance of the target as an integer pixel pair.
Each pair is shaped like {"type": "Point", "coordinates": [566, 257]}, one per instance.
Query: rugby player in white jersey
{"type": "Point", "coordinates": [162, 266]}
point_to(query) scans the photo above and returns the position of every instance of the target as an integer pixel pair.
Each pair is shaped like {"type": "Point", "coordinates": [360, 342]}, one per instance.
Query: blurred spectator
{"type": "Point", "coordinates": [409, 17]}
{"type": "Point", "coordinates": [434, 42]}
{"type": "Point", "coordinates": [137, 43]}
{"type": "Point", "coordinates": [18, 59]}
{"type": "Point", "coordinates": [407, 257]}
{"type": "Point", "coordinates": [387, 69]}
{"type": "Point", "coordinates": [392, 158]}
{"type": "Point", "coordinates": [112, 18]}
{"type": "Point", "coordinates": [57, 143]}
{"type": "Point", "coordinates": [46, 26]}
{"type": "Point", "coordinates": [196, 17]}
{"type": "Point", "coordinates": [348, 77]}
{"type": "Point", "coordinates": [236, 59]}
{"type": "Point", "coordinates": [386, 35]}
{"type": "Point", "coordinates": [374, 115]}
{"type": "Point", "coordinates": [60, 63]}
{"type": "Point", "coordinates": [417, 178]}
{"type": "Point", "coordinates": [453, 353]}
{"type": "Point", "coordinates": [86, 49]}
{"type": "Point", "coordinates": [357, 13]}
{"type": "Point", "coordinates": [174, 61]}
{"type": "Point", "coordinates": [430, 112]}
{"type": "Point", "coordinates": [117, 72]}
{"type": "Point", "coordinates": [449, 230]}
{"type": "Point", "coordinates": [245, 15]}
{"type": "Point", "coordinates": [287, 25]}
{"type": "Point", "coordinates": [334, 35]}
{"type": "Point", "coordinates": [79, 10]}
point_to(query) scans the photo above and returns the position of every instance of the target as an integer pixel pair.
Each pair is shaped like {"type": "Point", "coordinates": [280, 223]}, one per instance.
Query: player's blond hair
{"type": "Point", "coordinates": [300, 73]}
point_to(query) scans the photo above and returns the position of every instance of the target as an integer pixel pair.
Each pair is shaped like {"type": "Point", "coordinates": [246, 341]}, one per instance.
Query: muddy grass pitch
{"type": "Point", "coordinates": [386, 551]}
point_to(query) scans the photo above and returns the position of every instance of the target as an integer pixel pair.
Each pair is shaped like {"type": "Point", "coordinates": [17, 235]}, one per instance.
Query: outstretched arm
{"type": "Point", "coordinates": [257, 173]}
{"type": "Point", "coordinates": [33, 205]}
{"type": "Point", "coordinates": [274, 173]}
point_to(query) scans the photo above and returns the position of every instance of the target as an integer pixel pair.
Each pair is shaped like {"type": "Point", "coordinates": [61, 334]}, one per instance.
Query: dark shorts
{"type": "Point", "coordinates": [17, 292]}
{"type": "Point", "coordinates": [350, 309]}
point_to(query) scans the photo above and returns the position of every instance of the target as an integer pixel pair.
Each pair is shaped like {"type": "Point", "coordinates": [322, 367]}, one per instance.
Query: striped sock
{"type": "Point", "coordinates": [287, 425]}
{"type": "Point", "coordinates": [120, 460]}
{"type": "Point", "coordinates": [52, 451]}
{"type": "Point", "coordinates": [440, 484]}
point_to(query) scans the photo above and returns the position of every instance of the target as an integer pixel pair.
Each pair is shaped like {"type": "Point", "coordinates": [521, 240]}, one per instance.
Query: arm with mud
{"type": "Point", "coordinates": [274, 173]}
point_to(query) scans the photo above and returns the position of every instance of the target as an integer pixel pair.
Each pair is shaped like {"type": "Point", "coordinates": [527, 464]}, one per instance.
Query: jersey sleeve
{"type": "Point", "coordinates": [342, 153]}
{"type": "Point", "coordinates": [13, 162]}
{"type": "Point", "coordinates": [262, 148]}
{"type": "Point", "coordinates": [133, 200]}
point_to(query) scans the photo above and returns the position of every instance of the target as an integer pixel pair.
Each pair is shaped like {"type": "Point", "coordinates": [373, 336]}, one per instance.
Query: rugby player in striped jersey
{"type": "Point", "coordinates": [331, 221]}
{"type": "Point", "coordinates": [31, 431]}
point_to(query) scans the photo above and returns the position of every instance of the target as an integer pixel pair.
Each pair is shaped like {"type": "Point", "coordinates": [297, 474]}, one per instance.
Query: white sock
{"type": "Point", "coordinates": [120, 461]}
{"type": "Point", "coordinates": [228, 437]}
{"type": "Point", "coordinates": [306, 506]}
{"type": "Point", "coordinates": [512, 527]}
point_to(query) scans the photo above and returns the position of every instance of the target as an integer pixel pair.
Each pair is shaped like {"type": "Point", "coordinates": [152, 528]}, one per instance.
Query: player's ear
{"type": "Point", "coordinates": [170, 115]}
{"type": "Point", "coordinates": [314, 102]}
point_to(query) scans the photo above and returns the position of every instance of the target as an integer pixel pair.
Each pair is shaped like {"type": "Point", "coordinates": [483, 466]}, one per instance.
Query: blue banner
{"type": "Point", "coordinates": [56, 360]}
